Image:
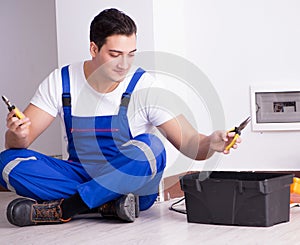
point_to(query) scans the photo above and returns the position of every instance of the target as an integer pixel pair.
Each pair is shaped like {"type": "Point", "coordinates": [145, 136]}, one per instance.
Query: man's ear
{"type": "Point", "coordinates": [93, 49]}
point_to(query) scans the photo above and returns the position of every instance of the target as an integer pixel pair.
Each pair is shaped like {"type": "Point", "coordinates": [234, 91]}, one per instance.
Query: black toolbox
{"type": "Point", "coordinates": [237, 198]}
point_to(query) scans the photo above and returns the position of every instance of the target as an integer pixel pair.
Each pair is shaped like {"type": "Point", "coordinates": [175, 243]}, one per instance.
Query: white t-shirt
{"type": "Point", "coordinates": [144, 110]}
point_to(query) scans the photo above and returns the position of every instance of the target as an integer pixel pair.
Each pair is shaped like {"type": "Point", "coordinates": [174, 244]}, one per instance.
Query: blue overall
{"type": "Point", "coordinates": [105, 161]}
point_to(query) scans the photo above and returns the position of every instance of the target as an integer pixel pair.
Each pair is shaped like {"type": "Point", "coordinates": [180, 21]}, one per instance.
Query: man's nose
{"type": "Point", "coordinates": [124, 62]}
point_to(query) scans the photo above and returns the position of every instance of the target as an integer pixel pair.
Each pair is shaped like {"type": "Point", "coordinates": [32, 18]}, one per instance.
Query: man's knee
{"type": "Point", "coordinates": [155, 149]}
{"type": "Point", "coordinates": [11, 154]}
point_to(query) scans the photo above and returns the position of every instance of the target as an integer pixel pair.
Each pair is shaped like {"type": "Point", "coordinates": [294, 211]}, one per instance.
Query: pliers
{"type": "Point", "coordinates": [237, 131]}
{"type": "Point", "coordinates": [11, 107]}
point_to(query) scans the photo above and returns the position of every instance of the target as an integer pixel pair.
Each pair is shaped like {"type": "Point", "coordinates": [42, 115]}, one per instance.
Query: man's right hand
{"type": "Point", "coordinates": [20, 127]}
{"type": "Point", "coordinates": [18, 130]}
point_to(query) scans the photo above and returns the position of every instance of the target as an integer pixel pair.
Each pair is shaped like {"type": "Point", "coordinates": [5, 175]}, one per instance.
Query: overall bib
{"type": "Point", "coordinates": [105, 161]}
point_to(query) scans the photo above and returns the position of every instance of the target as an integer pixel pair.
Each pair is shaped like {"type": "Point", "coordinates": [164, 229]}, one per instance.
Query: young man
{"type": "Point", "coordinates": [115, 162]}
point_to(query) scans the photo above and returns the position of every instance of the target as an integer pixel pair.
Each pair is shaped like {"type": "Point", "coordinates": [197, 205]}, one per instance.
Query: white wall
{"type": "Point", "coordinates": [239, 44]}
{"type": "Point", "coordinates": [28, 54]}
{"type": "Point", "coordinates": [251, 42]}
{"type": "Point", "coordinates": [73, 25]}
{"type": "Point", "coordinates": [235, 43]}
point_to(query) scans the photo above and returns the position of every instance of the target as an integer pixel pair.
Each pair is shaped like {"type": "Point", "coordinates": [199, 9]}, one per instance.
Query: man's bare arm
{"type": "Point", "coordinates": [191, 143]}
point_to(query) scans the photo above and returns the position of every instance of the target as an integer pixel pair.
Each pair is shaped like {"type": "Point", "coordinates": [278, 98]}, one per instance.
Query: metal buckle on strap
{"type": "Point", "coordinates": [125, 99]}
{"type": "Point", "coordinates": [66, 99]}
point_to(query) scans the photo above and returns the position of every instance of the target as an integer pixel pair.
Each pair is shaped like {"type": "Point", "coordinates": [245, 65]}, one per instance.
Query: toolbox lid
{"type": "Point", "coordinates": [263, 182]}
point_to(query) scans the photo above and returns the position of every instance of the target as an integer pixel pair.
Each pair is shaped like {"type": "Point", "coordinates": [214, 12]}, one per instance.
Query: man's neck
{"type": "Point", "coordinates": [96, 81]}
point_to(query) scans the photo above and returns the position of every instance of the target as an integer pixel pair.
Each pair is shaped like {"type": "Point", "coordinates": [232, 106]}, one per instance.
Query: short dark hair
{"type": "Point", "coordinates": [110, 22]}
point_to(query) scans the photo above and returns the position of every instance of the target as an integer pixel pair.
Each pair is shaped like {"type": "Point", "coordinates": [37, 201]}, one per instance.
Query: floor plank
{"type": "Point", "coordinates": [157, 225]}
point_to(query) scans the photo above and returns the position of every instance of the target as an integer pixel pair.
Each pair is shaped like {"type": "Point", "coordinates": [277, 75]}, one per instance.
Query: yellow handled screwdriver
{"type": "Point", "coordinates": [11, 107]}
{"type": "Point", "coordinates": [237, 131]}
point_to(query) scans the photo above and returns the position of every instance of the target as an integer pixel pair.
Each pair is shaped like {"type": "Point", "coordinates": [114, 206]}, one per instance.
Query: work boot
{"type": "Point", "coordinates": [25, 212]}
{"type": "Point", "coordinates": [125, 208]}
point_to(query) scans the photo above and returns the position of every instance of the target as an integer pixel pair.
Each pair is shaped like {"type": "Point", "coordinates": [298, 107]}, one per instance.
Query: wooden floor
{"type": "Point", "coordinates": [157, 225]}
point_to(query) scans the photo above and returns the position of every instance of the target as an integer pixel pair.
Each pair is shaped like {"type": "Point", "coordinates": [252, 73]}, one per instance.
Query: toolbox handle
{"type": "Point", "coordinates": [198, 186]}
{"type": "Point", "coordinates": [240, 186]}
{"type": "Point", "coordinates": [191, 183]}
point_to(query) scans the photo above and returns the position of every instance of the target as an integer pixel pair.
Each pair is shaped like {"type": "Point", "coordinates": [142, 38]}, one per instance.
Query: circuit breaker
{"type": "Point", "coordinates": [275, 110]}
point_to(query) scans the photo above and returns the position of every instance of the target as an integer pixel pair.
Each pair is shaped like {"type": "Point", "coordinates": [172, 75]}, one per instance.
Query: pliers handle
{"type": "Point", "coordinates": [237, 131]}
{"type": "Point", "coordinates": [237, 134]}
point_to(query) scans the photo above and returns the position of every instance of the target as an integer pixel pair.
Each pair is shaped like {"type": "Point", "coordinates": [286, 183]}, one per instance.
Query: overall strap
{"type": "Point", "coordinates": [66, 98]}
{"type": "Point", "coordinates": [135, 78]}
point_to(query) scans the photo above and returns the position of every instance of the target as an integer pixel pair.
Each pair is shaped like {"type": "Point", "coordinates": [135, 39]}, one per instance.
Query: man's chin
{"type": "Point", "coordinates": [119, 77]}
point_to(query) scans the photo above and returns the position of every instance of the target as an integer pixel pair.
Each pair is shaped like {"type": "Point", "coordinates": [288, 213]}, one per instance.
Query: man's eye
{"type": "Point", "coordinates": [114, 55]}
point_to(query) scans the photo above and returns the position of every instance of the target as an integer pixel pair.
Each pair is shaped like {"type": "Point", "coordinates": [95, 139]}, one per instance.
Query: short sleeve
{"type": "Point", "coordinates": [47, 96]}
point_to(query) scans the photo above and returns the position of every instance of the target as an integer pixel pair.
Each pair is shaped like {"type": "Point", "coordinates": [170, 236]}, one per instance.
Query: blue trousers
{"type": "Point", "coordinates": [35, 175]}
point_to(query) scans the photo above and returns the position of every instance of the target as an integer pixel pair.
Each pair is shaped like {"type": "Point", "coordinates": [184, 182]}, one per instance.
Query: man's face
{"type": "Point", "coordinates": [115, 57]}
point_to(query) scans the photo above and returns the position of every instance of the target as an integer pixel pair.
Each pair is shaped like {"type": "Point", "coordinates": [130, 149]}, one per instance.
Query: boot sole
{"type": "Point", "coordinates": [126, 208]}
